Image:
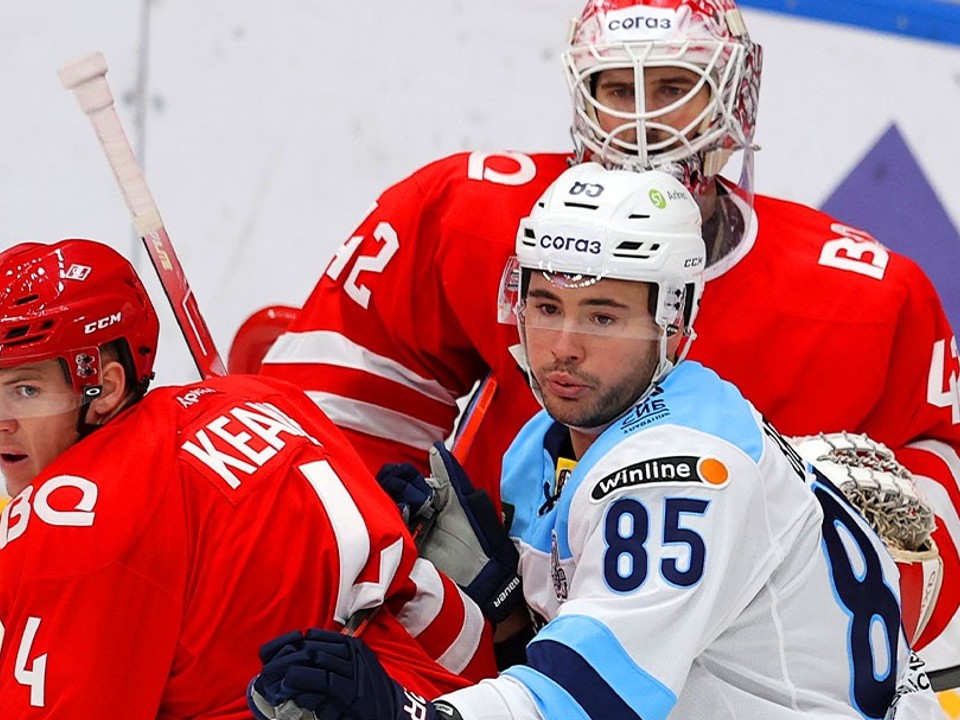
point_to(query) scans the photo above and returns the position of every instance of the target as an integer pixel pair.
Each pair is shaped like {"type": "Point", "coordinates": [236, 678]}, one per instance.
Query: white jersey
{"type": "Point", "coordinates": [692, 566]}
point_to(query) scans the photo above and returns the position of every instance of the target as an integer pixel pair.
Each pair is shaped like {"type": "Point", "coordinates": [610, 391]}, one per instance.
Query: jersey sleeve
{"type": "Point", "coordinates": [377, 345]}
{"type": "Point", "coordinates": [855, 339]}
{"type": "Point", "coordinates": [918, 416]}
{"type": "Point", "coordinates": [403, 321]}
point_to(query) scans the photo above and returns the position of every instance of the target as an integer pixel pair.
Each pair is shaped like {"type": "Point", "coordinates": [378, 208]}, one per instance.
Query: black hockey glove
{"type": "Point", "coordinates": [326, 675]}
{"type": "Point", "coordinates": [414, 497]}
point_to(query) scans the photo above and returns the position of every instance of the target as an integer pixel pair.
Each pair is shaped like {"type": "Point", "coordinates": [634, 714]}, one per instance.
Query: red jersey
{"type": "Point", "coordinates": [144, 567]}
{"type": "Point", "coordinates": [821, 327]}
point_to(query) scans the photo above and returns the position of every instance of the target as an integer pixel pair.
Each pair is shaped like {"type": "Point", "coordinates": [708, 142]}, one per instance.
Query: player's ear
{"type": "Point", "coordinates": [113, 395]}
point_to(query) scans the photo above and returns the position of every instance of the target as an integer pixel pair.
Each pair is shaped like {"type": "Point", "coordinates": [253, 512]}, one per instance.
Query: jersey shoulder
{"type": "Point", "coordinates": [693, 398]}
{"type": "Point", "coordinates": [835, 264]}
{"type": "Point", "coordinates": [475, 191]}
{"type": "Point", "coordinates": [90, 505]}
{"type": "Point", "coordinates": [177, 444]}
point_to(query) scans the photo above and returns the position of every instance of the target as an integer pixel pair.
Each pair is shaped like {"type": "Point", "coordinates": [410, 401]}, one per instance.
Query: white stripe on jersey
{"type": "Point", "coordinates": [324, 347]}
{"type": "Point", "coordinates": [353, 540]}
{"type": "Point", "coordinates": [461, 652]}
{"type": "Point", "coordinates": [378, 421]}
{"type": "Point", "coordinates": [417, 615]}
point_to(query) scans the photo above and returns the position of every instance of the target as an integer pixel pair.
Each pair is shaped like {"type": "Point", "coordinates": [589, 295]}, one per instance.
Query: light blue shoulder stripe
{"type": "Point", "coordinates": [603, 654]}
{"type": "Point", "coordinates": [692, 396]}
{"type": "Point", "coordinates": [551, 699]}
{"type": "Point", "coordinates": [526, 466]}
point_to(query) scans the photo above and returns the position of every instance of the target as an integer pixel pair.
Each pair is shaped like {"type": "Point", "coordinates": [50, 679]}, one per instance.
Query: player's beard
{"type": "Point", "coordinates": [602, 405]}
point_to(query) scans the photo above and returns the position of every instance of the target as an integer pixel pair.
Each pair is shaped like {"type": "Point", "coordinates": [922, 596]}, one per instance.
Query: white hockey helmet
{"type": "Point", "coordinates": [706, 37]}
{"type": "Point", "coordinates": [593, 223]}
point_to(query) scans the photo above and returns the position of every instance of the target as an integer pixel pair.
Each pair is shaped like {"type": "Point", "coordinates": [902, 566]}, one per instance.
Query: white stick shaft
{"type": "Point", "coordinates": [87, 79]}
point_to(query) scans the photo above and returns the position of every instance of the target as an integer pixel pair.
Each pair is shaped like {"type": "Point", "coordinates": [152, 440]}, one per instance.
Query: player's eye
{"type": "Point", "coordinates": [669, 93]}
{"type": "Point", "coordinates": [26, 391]}
{"type": "Point", "coordinates": [604, 320]}
{"type": "Point", "coordinates": [547, 309]}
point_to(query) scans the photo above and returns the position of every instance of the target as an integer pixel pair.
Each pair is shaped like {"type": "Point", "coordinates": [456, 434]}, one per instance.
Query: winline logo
{"type": "Point", "coordinates": [677, 469]}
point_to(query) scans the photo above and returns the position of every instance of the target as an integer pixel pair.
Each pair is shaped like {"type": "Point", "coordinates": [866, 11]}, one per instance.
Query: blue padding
{"type": "Point", "coordinates": [937, 20]}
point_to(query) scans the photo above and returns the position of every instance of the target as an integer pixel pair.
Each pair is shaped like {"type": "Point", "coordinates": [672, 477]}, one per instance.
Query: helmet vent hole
{"type": "Point", "coordinates": [24, 341]}
{"type": "Point", "coordinates": [26, 299]}
{"type": "Point", "coordinates": [17, 332]}
{"type": "Point", "coordinates": [638, 216]}
{"type": "Point", "coordinates": [637, 249]}
{"type": "Point", "coordinates": [585, 206]}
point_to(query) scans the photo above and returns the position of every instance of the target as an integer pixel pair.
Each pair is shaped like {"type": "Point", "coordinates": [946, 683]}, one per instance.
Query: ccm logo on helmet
{"type": "Point", "coordinates": [580, 245]}
{"type": "Point", "coordinates": [631, 23]}
{"type": "Point", "coordinates": [102, 323]}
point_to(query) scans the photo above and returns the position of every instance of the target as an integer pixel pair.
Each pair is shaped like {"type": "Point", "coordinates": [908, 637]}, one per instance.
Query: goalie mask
{"type": "Point", "coordinates": [65, 301]}
{"type": "Point", "coordinates": [680, 96]}
{"type": "Point", "coordinates": [592, 224]}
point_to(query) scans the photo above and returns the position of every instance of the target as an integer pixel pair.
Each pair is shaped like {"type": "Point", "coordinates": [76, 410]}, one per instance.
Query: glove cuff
{"type": "Point", "coordinates": [499, 591]}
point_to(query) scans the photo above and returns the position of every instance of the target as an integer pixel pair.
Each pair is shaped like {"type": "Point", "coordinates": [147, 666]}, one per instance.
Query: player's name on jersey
{"type": "Point", "coordinates": [243, 439]}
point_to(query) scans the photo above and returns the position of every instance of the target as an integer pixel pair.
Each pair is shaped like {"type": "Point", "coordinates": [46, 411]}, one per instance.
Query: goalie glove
{"type": "Point", "coordinates": [883, 491]}
{"type": "Point", "coordinates": [325, 675]}
{"type": "Point", "coordinates": [464, 537]}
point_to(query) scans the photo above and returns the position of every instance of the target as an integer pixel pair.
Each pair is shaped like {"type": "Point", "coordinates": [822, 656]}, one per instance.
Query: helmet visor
{"type": "Point", "coordinates": [36, 390]}
{"type": "Point", "coordinates": [542, 300]}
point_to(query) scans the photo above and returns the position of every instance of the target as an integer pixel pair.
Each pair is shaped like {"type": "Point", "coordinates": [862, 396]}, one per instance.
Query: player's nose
{"type": "Point", "coordinates": [568, 345]}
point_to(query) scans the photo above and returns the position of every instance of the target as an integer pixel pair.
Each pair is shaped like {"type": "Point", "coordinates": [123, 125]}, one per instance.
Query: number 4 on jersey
{"type": "Point", "coordinates": [34, 676]}
{"type": "Point", "coordinates": [941, 372]}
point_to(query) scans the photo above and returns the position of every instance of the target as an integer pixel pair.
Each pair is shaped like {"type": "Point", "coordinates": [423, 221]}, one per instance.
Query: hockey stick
{"type": "Point", "coordinates": [86, 77]}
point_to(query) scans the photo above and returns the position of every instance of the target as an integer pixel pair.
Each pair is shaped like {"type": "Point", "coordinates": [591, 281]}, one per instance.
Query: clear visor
{"type": "Point", "coordinates": [36, 390]}
{"type": "Point", "coordinates": [593, 309]}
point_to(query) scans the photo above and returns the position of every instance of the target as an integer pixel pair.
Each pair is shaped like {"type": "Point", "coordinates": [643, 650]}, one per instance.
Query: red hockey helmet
{"type": "Point", "coordinates": [705, 37]}
{"type": "Point", "coordinates": [65, 301]}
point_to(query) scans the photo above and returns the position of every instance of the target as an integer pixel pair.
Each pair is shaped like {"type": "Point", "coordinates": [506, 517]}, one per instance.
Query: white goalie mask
{"type": "Point", "coordinates": [592, 224]}
{"type": "Point", "coordinates": [705, 37]}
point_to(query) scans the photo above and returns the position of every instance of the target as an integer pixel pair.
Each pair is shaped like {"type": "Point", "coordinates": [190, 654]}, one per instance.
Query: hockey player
{"type": "Point", "coordinates": [155, 540]}
{"type": "Point", "coordinates": [821, 327]}
{"type": "Point", "coordinates": [690, 565]}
